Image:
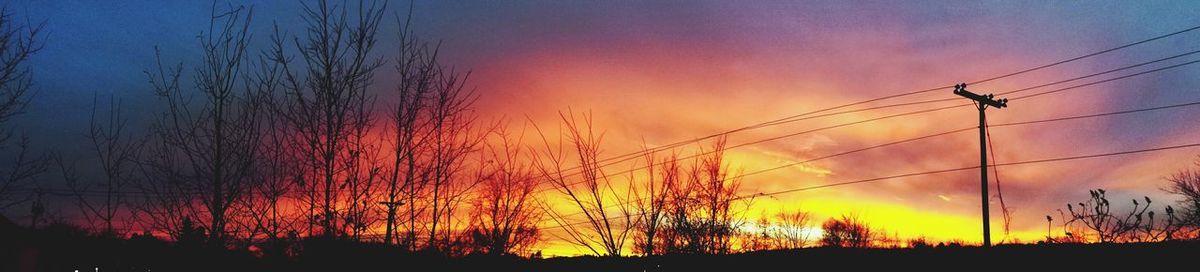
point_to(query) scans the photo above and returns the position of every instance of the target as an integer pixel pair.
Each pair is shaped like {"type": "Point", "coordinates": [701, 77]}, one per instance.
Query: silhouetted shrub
{"type": "Point", "coordinates": [847, 231]}
{"type": "Point", "coordinates": [919, 242]}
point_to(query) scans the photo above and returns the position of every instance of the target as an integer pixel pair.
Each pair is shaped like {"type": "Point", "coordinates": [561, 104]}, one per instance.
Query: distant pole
{"type": "Point", "coordinates": [391, 205]}
{"type": "Point", "coordinates": [982, 102]}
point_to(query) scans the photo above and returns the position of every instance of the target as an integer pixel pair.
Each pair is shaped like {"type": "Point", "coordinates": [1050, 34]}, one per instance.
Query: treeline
{"type": "Point", "coordinates": [267, 146]}
{"type": "Point", "coordinates": [264, 147]}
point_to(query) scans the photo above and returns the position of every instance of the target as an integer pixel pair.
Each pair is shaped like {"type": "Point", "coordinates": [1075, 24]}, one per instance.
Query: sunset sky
{"type": "Point", "coordinates": [667, 71]}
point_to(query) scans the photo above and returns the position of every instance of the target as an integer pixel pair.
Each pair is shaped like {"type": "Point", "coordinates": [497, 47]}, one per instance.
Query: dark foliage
{"type": "Point", "coordinates": [847, 231]}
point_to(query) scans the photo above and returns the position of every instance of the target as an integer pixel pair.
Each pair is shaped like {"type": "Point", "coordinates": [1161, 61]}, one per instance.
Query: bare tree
{"type": "Point", "coordinates": [22, 168]}
{"type": "Point", "coordinates": [205, 152]}
{"type": "Point", "coordinates": [327, 100]}
{"type": "Point", "coordinates": [116, 152]}
{"type": "Point", "coordinates": [715, 192]}
{"type": "Point", "coordinates": [783, 230]}
{"type": "Point", "coordinates": [790, 230]}
{"type": "Point", "coordinates": [703, 210]}
{"type": "Point", "coordinates": [1186, 184]}
{"type": "Point", "coordinates": [759, 240]}
{"type": "Point", "coordinates": [653, 207]}
{"type": "Point", "coordinates": [453, 135]}
{"type": "Point", "coordinates": [363, 173]}
{"type": "Point", "coordinates": [505, 206]}
{"type": "Point", "coordinates": [416, 66]}
{"type": "Point", "coordinates": [266, 208]}
{"type": "Point", "coordinates": [608, 219]}
{"type": "Point", "coordinates": [17, 44]}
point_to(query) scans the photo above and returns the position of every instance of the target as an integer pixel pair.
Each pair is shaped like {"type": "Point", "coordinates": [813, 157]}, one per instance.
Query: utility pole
{"type": "Point", "coordinates": [391, 220]}
{"type": "Point", "coordinates": [982, 102]}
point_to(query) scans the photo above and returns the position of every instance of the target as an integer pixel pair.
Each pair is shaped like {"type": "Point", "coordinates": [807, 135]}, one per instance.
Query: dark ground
{"type": "Point", "coordinates": [65, 248]}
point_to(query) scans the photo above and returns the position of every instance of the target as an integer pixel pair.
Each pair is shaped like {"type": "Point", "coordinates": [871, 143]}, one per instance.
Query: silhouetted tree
{"type": "Point", "coordinates": [363, 173]}
{"type": "Point", "coordinates": [607, 219]}
{"type": "Point", "coordinates": [702, 215]}
{"type": "Point", "coordinates": [416, 68]}
{"type": "Point", "coordinates": [758, 240]}
{"type": "Point", "coordinates": [847, 231]}
{"type": "Point", "coordinates": [268, 209]}
{"type": "Point", "coordinates": [104, 201]}
{"type": "Point", "coordinates": [505, 207]}
{"type": "Point", "coordinates": [189, 234]}
{"type": "Point", "coordinates": [653, 200]}
{"type": "Point", "coordinates": [716, 191]}
{"type": "Point", "coordinates": [203, 153]}
{"type": "Point", "coordinates": [453, 135]}
{"type": "Point", "coordinates": [18, 42]}
{"type": "Point", "coordinates": [790, 230]}
{"type": "Point", "coordinates": [919, 242]}
{"type": "Point", "coordinates": [327, 100]}
{"type": "Point", "coordinates": [434, 132]}
{"type": "Point", "coordinates": [1186, 184]}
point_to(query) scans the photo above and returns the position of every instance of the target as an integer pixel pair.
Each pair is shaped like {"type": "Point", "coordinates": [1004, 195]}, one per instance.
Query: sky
{"type": "Point", "coordinates": [657, 72]}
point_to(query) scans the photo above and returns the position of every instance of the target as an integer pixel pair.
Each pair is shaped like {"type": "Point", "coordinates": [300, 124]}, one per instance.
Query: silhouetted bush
{"type": "Point", "coordinates": [847, 231]}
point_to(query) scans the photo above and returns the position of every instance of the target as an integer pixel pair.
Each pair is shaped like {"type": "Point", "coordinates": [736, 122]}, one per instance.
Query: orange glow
{"type": "Point", "coordinates": [657, 93]}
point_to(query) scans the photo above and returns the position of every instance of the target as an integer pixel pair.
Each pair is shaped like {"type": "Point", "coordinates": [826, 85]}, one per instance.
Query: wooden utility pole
{"type": "Point", "coordinates": [982, 102]}
{"type": "Point", "coordinates": [391, 220]}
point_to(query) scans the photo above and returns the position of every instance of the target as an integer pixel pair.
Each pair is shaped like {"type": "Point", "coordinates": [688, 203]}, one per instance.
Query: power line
{"type": "Point", "coordinates": [1040, 85]}
{"type": "Point", "coordinates": [1004, 211]}
{"type": "Point", "coordinates": [1096, 53]}
{"type": "Point", "coordinates": [1079, 157]}
{"type": "Point", "coordinates": [1025, 89]}
{"type": "Point", "coordinates": [1095, 115]}
{"type": "Point", "coordinates": [809, 116]}
{"type": "Point", "coordinates": [1057, 119]}
{"type": "Point", "coordinates": [623, 172]}
{"type": "Point", "coordinates": [635, 154]}
{"type": "Point", "coordinates": [941, 134]}
{"type": "Point", "coordinates": [971, 128]}
{"type": "Point", "coordinates": [1106, 80]}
